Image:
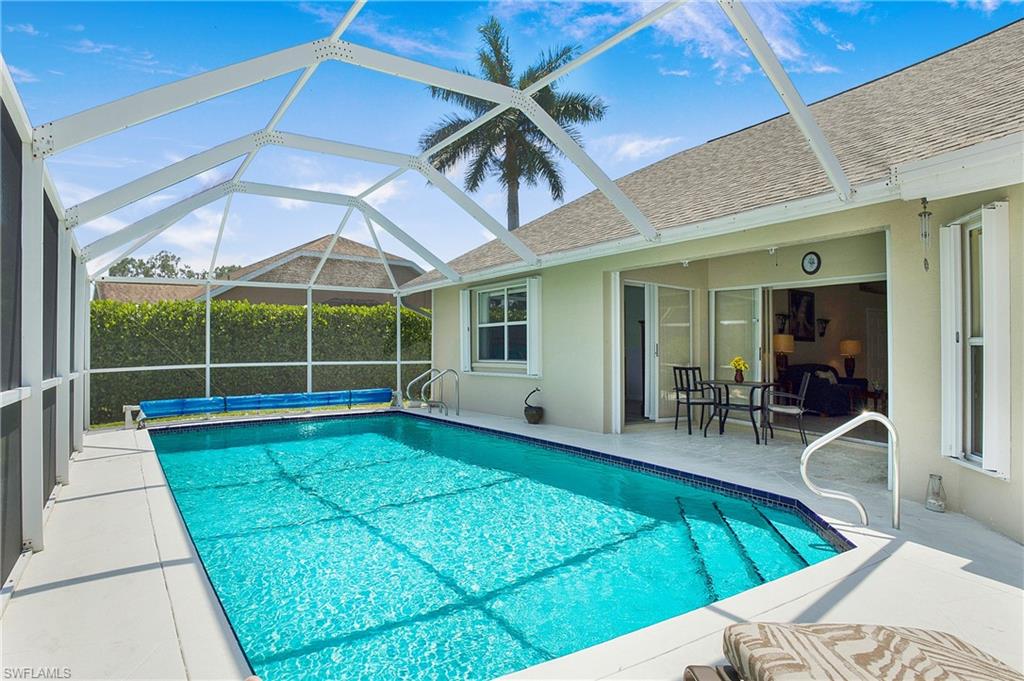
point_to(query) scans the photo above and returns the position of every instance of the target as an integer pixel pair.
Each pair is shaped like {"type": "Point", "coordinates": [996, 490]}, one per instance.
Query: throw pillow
{"type": "Point", "coordinates": [826, 375]}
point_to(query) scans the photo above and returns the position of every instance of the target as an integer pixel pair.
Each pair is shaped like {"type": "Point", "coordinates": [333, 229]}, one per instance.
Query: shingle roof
{"type": "Point", "coordinates": [965, 96]}
{"type": "Point", "coordinates": [343, 247]}
{"type": "Point", "coordinates": [146, 293]}
{"type": "Point", "coordinates": [298, 269]}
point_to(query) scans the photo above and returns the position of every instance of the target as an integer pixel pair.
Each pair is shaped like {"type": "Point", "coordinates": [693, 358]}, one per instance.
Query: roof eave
{"type": "Point", "coordinates": [988, 165]}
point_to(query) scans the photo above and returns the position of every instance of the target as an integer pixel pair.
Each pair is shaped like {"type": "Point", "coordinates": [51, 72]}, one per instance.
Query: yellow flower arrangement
{"type": "Point", "coordinates": [739, 364]}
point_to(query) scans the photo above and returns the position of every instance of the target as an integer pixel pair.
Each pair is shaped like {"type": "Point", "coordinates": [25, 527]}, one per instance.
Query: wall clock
{"type": "Point", "coordinates": [811, 262]}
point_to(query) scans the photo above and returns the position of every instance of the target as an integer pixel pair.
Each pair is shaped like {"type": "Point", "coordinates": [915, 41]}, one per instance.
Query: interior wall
{"type": "Point", "coordinates": [846, 306]}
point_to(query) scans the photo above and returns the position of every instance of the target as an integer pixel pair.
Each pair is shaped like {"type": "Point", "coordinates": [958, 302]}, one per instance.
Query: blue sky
{"type": "Point", "coordinates": [675, 85]}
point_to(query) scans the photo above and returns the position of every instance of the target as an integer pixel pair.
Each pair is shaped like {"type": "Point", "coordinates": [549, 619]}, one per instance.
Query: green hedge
{"type": "Point", "coordinates": [172, 332]}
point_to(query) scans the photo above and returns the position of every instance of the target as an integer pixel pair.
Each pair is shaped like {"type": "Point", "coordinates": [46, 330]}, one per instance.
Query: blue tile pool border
{"type": "Point", "coordinates": [821, 527]}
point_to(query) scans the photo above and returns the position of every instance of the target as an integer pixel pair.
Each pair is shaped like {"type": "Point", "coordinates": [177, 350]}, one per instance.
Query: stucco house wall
{"type": "Point", "coordinates": [577, 318]}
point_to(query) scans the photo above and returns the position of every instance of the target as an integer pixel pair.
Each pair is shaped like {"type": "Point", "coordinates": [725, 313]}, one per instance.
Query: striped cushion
{"type": "Point", "coordinates": [787, 652]}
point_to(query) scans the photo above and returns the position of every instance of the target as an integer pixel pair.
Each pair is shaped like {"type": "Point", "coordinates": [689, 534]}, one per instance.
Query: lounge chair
{"type": "Point", "coordinates": [825, 652]}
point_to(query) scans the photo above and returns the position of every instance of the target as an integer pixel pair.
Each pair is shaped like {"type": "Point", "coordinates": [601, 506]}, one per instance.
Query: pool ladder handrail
{"type": "Point", "coordinates": [843, 496]}
{"type": "Point", "coordinates": [408, 388]}
{"type": "Point", "coordinates": [441, 373]}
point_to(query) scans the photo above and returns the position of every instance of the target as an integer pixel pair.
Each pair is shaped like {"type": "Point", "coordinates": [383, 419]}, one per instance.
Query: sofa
{"type": "Point", "coordinates": [825, 397]}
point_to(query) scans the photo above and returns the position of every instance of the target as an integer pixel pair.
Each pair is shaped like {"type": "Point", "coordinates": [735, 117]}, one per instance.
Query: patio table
{"type": "Point", "coordinates": [724, 403]}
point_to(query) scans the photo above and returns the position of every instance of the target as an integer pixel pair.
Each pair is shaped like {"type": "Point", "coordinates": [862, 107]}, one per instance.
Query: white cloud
{"type": "Point", "coordinates": [824, 29]}
{"type": "Point", "coordinates": [350, 187]}
{"type": "Point", "coordinates": [681, 73]}
{"type": "Point", "coordinates": [633, 146]}
{"type": "Point", "coordinates": [86, 46]}
{"type": "Point", "coordinates": [21, 75]}
{"type": "Point", "coordinates": [702, 29]}
{"type": "Point", "coordinates": [56, 73]}
{"type": "Point", "coordinates": [27, 29]}
{"type": "Point", "coordinates": [195, 235]}
{"type": "Point", "coordinates": [986, 6]}
{"type": "Point", "coordinates": [76, 28]}
{"type": "Point", "coordinates": [372, 25]}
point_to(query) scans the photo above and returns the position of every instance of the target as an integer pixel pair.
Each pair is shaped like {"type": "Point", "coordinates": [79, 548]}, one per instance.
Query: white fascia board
{"type": "Point", "coordinates": [312, 196]}
{"type": "Point", "coordinates": [64, 133]}
{"type": "Point", "coordinates": [988, 165]}
{"type": "Point", "coordinates": [575, 153]}
{"type": "Point", "coordinates": [158, 180]}
{"type": "Point", "coordinates": [802, 115]}
{"type": "Point", "coordinates": [375, 60]}
{"type": "Point", "coordinates": [814, 206]}
{"type": "Point", "coordinates": [158, 220]}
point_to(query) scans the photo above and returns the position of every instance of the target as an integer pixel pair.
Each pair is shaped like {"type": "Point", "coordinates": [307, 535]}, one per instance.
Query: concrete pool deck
{"type": "Point", "coordinates": [119, 592]}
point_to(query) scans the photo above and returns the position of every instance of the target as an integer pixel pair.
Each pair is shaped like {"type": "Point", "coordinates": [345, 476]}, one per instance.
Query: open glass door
{"type": "Point", "coordinates": [673, 345]}
{"type": "Point", "coordinates": [736, 327]}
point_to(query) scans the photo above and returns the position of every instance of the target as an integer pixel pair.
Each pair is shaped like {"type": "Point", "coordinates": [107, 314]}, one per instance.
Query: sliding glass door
{"type": "Point", "coordinates": [673, 346]}
{"type": "Point", "coordinates": [736, 332]}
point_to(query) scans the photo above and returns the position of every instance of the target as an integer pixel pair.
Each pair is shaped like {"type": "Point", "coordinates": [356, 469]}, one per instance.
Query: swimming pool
{"type": "Point", "coordinates": [389, 545]}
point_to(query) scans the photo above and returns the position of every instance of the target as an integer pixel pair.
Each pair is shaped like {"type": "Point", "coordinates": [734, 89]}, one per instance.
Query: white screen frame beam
{"type": "Point", "coordinates": [802, 116]}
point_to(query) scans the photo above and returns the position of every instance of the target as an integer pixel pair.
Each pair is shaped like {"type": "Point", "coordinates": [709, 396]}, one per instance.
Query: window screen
{"type": "Point", "coordinates": [49, 441]}
{"type": "Point", "coordinates": [50, 238]}
{"type": "Point", "coordinates": [71, 326]}
{"type": "Point", "coordinates": [10, 254]}
{"type": "Point", "coordinates": [10, 488]}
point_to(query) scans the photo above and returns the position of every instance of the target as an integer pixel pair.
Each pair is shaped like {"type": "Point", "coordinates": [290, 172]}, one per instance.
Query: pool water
{"type": "Point", "coordinates": [392, 546]}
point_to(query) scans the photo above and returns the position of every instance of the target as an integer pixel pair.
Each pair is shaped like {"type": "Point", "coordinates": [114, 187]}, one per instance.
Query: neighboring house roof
{"type": "Point", "coordinates": [350, 264]}
{"type": "Point", "coordinates": [968, 95]}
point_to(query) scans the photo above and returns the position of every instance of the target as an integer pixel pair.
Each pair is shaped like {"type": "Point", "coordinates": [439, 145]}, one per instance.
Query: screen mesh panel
{"type": "Point", "coordinates": [10, 488]}
{"type": "Point", "coordinates": [10, 254]}
{"type": "Point", "coordinates": [50, 237]}
{"type": "Point", "coordinates": [71, 416]}
{"type": "Point", "coordinates": [49, 441]}
{"type": "Point", "coordinates": [74, 280]}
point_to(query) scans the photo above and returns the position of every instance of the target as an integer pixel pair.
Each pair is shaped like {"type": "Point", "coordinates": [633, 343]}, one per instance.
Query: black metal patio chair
{"type": "Point", "coordinates": [778, 402]}
{"type": "Point", "coordinates": [692, 390]}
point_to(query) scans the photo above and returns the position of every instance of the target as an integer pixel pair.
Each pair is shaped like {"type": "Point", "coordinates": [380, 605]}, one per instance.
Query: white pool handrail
{"type": "Point", "coordinates": [843, 496]}
{"type": "Point", "coordinates": [440, 401]}
{"type": "Point", "coordinates": [408, 388]}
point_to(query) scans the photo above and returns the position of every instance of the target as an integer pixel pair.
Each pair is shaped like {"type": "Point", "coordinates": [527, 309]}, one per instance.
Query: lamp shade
{"type": "Point", "coordinates": [783, 342]}
{"type": "Point", "coordinates": [849, 348]}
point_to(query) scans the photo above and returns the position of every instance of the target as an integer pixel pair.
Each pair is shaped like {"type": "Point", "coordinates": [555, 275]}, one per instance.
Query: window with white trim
{"type": "Point", "coordinates": [501, 325]}
{"type": "Point", "coordinates": [975, 338]}
{"type": "Point", "coordinates": [501, 328]}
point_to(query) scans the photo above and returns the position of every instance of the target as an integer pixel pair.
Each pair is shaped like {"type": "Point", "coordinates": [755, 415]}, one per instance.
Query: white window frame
{"type": "Point", "coordinates": [469, 314]}
{"type": "Point", "coordinates": [956, 342]}
{"type": "Point", "coordinates": [478, 295]}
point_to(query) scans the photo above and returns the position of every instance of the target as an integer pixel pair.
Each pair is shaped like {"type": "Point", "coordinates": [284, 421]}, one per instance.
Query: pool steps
{"type": "Point", "coordinates": [722, 530]}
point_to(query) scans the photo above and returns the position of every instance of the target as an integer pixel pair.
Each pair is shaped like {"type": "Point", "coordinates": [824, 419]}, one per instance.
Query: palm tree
{"type": "Point", "coordinates": [511, 147]}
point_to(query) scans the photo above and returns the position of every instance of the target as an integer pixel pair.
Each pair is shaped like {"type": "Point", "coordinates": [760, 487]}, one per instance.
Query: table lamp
{"type": "Point", "coordinates": [849, 349]}
{"type": "Point", "coordinates": [783, 345]}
